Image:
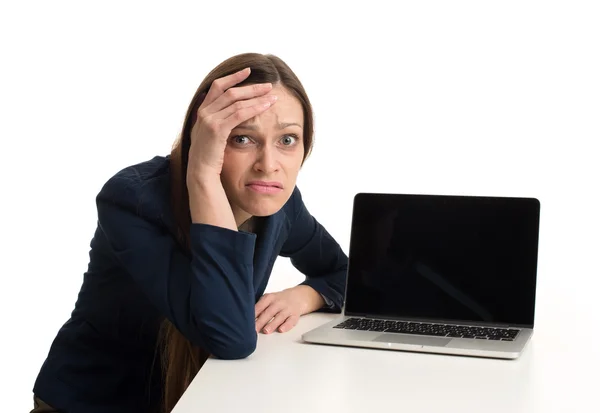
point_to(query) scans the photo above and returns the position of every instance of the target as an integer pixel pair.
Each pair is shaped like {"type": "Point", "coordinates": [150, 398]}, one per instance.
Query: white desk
{"type": "Point", "coordinates": [287, 375]}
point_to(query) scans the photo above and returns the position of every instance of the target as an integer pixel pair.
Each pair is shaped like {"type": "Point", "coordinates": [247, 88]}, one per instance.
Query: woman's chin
{"type": "Point", "coordinates": [263, 209]}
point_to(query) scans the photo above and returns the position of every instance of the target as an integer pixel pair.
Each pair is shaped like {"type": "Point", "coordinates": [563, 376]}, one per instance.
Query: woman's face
{"type": "Point", "coordinates": [263, 158]}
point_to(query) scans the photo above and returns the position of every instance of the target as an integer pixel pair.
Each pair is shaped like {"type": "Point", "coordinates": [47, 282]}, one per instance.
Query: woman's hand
{"type": "Point", "coordinates": [282, 310]}
{"type": "Point", "coordinates": [223, 109]}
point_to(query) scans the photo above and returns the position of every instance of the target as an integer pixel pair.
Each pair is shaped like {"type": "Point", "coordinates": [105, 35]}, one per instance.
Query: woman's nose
{"type": "Point", "coordinates": [266, 160]}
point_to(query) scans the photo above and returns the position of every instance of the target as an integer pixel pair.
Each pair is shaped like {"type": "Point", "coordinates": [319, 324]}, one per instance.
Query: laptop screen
{"type": "Point", "coordinates": [446, 258]}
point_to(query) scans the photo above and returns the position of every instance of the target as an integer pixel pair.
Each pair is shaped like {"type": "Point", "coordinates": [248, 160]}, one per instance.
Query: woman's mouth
{"type": "Point", "coordinates": [264, 187]}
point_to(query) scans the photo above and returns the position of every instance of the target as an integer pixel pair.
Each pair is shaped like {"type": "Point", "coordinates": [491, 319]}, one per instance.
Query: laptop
{"type": "Point", "coordinates": [439, 274]}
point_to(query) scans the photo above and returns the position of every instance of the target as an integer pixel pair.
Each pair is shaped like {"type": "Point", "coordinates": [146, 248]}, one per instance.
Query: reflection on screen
{"type": "Point", "coordinates": [444, 258]}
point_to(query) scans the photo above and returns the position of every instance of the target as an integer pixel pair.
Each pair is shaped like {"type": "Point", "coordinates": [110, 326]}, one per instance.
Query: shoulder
{"type": "Point", "coordinates": [143, 188]}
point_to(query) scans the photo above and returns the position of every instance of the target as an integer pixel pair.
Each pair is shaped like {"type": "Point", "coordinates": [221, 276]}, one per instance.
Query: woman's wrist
{"type": "Point", "coordinates": [313, 299]}
{"type": "Point", "coordinates": [209, 203]}
{"type": "Point", "coordinates": [202, 178]}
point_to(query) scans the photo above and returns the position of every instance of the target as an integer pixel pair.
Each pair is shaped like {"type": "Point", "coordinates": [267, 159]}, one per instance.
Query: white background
{"type": "Point", "coordinates": [450, 97]}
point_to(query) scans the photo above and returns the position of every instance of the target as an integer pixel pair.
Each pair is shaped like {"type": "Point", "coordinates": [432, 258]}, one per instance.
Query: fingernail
{"type": "Point", "coordinates": [272, 98]}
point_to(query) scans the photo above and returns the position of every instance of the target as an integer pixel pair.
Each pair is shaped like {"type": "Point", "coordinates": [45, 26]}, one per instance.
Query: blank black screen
{"type": "Point", "coordinates": [455, 258]}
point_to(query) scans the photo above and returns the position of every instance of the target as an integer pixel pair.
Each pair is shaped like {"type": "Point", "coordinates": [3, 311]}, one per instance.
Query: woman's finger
{"type": "Point", "coordinates": [243, 104]}
{"type": "Point", "coordinates": [219, 86]}
{"type": "Point", "coordinates": [244, 114]}
{"type": "Point", "coordinates": [235, 96]}
{"type": "Point", "coordinates": [262, 304]}
{"type": "Point", "coordinates": [267, 315]}
{"type": "Point", "coordinates": [289, 323]}
{"type": "Point", "coordinates": [277, 321]}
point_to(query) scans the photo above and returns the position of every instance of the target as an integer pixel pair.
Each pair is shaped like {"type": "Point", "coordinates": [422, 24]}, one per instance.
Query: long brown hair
{"type": "Point", "coordinates": [181, 360]}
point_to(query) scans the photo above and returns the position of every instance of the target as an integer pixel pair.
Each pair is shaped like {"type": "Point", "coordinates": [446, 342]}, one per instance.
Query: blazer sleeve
{"type": "Point", "coordinates": [208, 294]}
{"type": "Point", "coordinates": [314, 252]}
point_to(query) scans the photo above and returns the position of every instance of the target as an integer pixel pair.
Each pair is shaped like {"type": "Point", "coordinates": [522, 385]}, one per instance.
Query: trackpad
{"type": "Point", "coordinates": [416, 340]}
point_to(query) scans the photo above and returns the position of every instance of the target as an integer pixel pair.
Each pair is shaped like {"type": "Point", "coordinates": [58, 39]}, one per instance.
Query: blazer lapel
{"type": "Point", "coordinates": [268, 244]}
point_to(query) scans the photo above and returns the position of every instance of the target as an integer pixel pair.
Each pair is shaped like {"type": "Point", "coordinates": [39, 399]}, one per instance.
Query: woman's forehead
{"type": "Point", "coordinates": [286, 112]}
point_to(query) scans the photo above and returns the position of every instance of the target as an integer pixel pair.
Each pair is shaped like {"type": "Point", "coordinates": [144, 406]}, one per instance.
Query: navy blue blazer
{"type": "Point", "coordinates": [104, 358]}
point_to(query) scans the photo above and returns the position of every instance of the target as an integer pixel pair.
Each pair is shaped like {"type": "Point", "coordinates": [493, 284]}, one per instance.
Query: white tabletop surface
{"type": "Point", "coordinates": [555, 373]}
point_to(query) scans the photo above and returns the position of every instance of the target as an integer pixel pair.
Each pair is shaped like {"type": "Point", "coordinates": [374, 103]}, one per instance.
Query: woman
{"type": "Point", "coordinates": [185, 245]}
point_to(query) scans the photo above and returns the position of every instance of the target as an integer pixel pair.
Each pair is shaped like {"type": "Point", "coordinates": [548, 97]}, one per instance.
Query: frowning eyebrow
{"type": "Point", "coordinates": [253, 127]}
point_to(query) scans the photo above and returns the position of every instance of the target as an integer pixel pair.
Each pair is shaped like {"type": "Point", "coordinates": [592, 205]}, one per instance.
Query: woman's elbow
{"type": "Point", "coordinates": [231, 340]}
{"type": "Point", "coordinates": [235, 351]}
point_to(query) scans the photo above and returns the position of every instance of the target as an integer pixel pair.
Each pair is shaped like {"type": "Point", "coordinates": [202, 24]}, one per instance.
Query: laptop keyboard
{"type": "Point", "coordinates": [429, 329]}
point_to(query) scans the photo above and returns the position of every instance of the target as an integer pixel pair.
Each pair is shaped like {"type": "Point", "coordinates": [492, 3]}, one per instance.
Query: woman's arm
{"type": "Point", "coordinates": [209, 204]}
{"type": "Point", "coordinates": [314, 252]}
{"type": "Point", "coordinates": [208, 297]}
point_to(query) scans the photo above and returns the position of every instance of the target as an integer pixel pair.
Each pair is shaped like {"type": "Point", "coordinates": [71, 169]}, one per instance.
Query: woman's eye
{"type": "Point", "coordinates": [241, 139]}
{"type": "Point", "coordinates": [289, 140]}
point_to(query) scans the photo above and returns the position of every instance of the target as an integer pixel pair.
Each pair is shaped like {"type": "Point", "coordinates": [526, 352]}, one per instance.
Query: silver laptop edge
{"type": "Point", "coordinates": [327, 334]}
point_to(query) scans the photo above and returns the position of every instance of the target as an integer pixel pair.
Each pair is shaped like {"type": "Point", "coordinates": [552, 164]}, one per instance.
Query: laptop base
{"type": "Point", "coordinates": [327, 334]}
